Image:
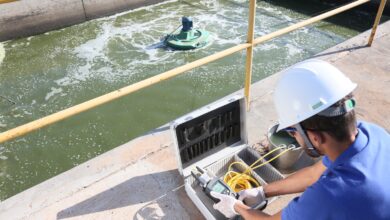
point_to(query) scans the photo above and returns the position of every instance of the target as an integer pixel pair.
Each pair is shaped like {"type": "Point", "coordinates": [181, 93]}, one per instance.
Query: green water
{"type": "Point", "coordinates": [283, 139]}
{"type": "Point", "coordinates": [43, 74]}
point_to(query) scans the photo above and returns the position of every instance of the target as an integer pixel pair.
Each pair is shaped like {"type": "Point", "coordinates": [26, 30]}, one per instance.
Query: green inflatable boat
{"type": "Point", "coordinates": [187, 38]}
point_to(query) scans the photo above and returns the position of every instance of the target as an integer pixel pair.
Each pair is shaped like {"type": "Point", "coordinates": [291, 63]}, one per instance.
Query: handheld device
{"type": "Point", "coordinates": [212, 183]}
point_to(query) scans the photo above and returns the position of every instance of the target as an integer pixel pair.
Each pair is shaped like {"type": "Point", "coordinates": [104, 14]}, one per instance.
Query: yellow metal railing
{"type": "Point", "coordinates": [377, 19]}
{"type": "Point", "coordinates": [6, 1]}
{"type": "Point", "coordinates": [251, 42]}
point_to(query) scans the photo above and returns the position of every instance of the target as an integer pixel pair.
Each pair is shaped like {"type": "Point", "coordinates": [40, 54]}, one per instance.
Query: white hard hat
{"type": "Point", "coordinates": [308, 88]}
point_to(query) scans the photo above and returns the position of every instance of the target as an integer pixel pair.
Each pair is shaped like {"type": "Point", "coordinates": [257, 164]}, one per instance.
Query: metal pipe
{"type": "Point", "coordinates": [249, 51]}
{"type": "Point", "coordinates": [377, 20]}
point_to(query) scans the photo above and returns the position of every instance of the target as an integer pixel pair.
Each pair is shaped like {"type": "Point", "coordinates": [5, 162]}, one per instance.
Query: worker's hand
{"type": "Point", "coordinates": [225, 205]}
{"type": "Point", "coordinates": [252, 197]}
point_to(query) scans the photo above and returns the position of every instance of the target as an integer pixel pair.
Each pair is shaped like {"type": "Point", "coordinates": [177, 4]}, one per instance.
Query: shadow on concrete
{"type": "Point", "coordinates": [159, 129]}
{"type": "Point", "coordinates": [140, 189]}
{"type": "Point", "coordinates": [166, 207]}
{"type": "Point", "coordinates": [340, 51]}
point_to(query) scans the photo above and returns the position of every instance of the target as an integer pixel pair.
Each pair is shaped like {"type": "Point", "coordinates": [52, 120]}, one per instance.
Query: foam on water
{"type": "Point", "coordinates": [145, 38]}
{"type": "Point", "coordinates": [269, 46]}
{"type": "Point", "coordinates": [293, 50]}
{"type": "Point", "coordinates": [53, 92]}
{"type": "Point", "coordinates": [269, 9]}
{"type": "Point", "coordinates": [2, 53]}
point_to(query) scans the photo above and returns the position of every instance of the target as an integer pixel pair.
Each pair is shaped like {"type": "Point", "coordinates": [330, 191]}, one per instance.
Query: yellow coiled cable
{"type": "Point", "coordinates": [240, 181]}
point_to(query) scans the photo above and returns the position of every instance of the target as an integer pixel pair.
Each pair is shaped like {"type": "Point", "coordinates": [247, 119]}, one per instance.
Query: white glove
{"type": "Point", "coordinates": [225, 205]}
{"type": "Point", "coordinates": [252, 197]}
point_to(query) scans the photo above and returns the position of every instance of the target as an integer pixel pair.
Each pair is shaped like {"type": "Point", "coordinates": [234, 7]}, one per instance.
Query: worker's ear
{"type": "Point", "coordinates": [316, 137]}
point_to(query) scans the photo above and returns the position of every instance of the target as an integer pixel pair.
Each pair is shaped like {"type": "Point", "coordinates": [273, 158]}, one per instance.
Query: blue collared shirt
{"type": "Point", "coordinates": [355, 186]}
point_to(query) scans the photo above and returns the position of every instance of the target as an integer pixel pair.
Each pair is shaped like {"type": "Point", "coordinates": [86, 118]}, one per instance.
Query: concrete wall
{"type": "Point", "coordinates": [30, 17]}
{"type": "Point", "coordinates": [99, 8]}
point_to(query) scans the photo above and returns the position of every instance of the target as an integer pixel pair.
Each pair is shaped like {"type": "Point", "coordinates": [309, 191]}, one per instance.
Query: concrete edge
{"type": "Point", "coordinates": [31, 17]}
{"type": "Point", "coordinates": [82, 176]}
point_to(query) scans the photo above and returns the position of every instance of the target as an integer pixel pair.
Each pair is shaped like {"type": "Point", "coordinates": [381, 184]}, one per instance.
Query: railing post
{"type": "Point", "coordinates": [249, 51]}
{"type": "Point", "coordinates": [377, 19]}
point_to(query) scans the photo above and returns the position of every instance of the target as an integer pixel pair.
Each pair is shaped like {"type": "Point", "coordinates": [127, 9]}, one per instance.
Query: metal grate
{"type": "Point", "coordinates": [218, 128]}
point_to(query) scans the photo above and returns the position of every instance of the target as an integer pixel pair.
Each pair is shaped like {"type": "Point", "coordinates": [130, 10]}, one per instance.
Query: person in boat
{"type": "Point", "coordinates": [315, 105]}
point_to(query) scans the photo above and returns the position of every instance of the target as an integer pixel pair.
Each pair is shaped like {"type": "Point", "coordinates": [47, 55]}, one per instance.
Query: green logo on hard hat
{"type": "Point", "coordinates": [317, 105]}
{"type": "Point", "coordinates": [350, 104]}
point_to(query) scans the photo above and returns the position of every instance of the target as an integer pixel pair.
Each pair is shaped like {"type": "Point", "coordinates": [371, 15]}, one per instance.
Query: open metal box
{"type": "Point", "coordinates": [213, 137]}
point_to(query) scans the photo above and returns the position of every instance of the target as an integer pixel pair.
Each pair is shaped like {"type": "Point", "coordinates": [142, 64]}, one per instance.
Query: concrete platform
{"type": "Point", "coordinates": [139, 180]}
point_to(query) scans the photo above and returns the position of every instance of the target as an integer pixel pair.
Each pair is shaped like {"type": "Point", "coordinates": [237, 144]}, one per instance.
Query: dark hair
{"type": "Point", "coordinates": [339, 127]}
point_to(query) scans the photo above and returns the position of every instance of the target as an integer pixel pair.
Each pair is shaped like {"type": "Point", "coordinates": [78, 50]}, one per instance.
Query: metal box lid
{"type": "Point", "coordinates": [210, 133]}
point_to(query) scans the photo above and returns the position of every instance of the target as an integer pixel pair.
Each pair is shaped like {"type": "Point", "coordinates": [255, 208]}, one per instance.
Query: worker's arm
{"type": "Point", "coordinates": [296, 182]}
{"type": "Point", "coordinates": [248, 213]}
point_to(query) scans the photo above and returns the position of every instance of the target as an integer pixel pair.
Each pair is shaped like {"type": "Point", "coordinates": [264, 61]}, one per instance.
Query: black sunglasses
{"type": "Point", "coordinates": [291, 131]}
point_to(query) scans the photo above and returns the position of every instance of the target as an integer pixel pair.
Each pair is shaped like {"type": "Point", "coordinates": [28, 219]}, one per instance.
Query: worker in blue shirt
{"type": "Point", "coordinates": [315, 105]}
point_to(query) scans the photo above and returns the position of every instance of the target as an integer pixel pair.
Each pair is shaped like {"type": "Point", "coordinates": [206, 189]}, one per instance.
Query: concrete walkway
{"type": "Point", "coordinates": [139, 180]}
